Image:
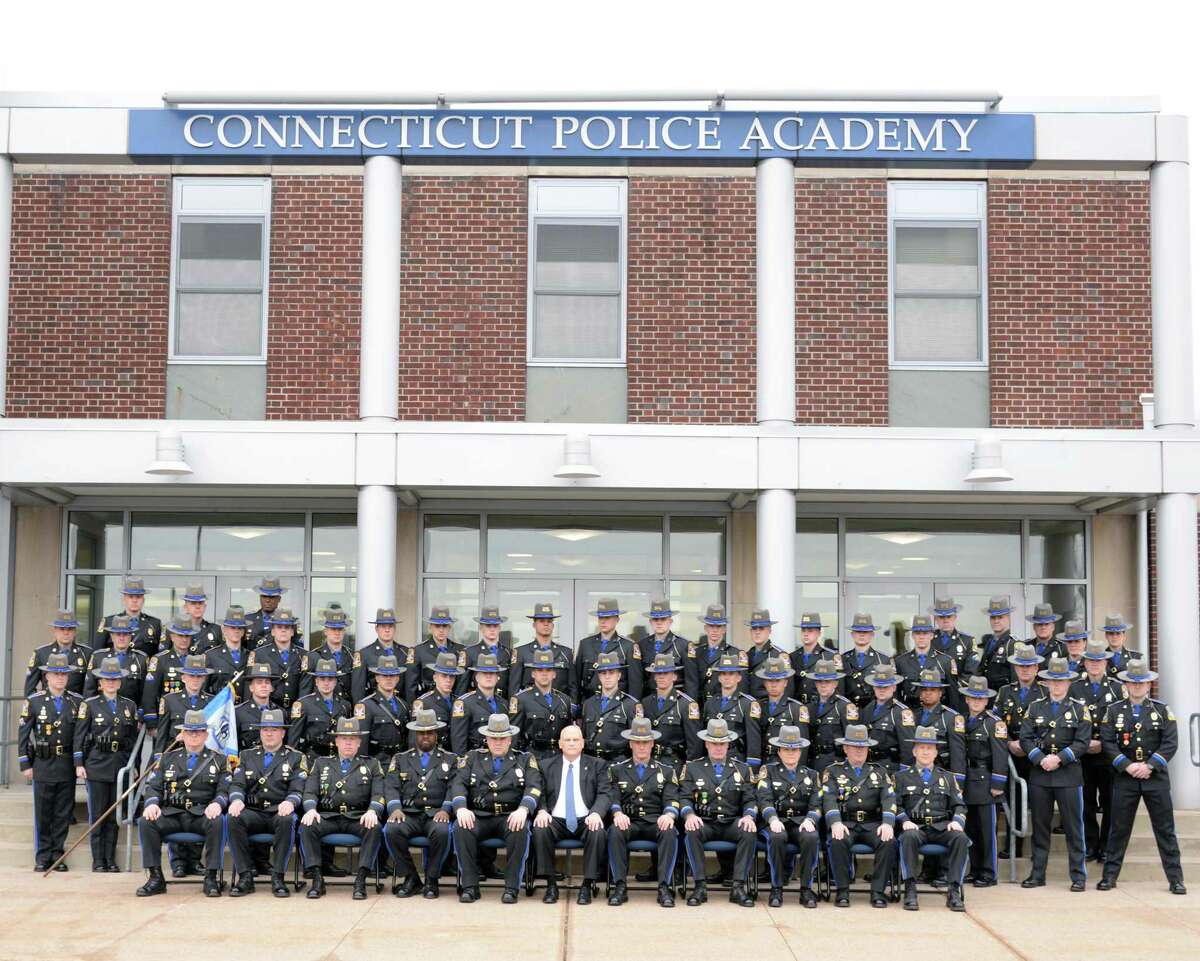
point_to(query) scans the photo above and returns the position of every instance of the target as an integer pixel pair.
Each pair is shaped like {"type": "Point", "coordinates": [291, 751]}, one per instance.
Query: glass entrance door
{"type": "Point", "coordinates": [891, 607]}
{"type": "Point", "coordinates": [516, 599]}
{"type": "Point", "coordinates": [974, 599]}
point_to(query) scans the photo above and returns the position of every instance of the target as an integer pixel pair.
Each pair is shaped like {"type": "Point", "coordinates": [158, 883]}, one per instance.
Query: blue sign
{"type": "Point", "coordinates": [605, 135]}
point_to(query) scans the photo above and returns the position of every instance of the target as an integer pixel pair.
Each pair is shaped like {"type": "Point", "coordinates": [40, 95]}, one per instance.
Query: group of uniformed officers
{"type": "Point", "coordinates": [618, 743]}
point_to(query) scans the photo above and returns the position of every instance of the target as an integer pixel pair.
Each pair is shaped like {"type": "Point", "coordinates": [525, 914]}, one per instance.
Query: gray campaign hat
{"type": "Point", "coordinates": [499, 725]}
{"type": "Point", "coordinates": [789, 736]}
{"type": "Point", "coordinates": [425, 721]}
{"type": "Point", "coordinates": [194, 721]}
{"type": "Point", "coordinates": [718, 732]}
{"type": "Point", "coordinates": [857, 735]}
{"type": "Point", "coordinates": [65, 618]}
{"type": "Point", "coordinates": [110, 669]}
{"type": "Point", "coordinates": [1073, 630]}
{"type": "Point", "coordinates": [926, 735]}
{"type": "Point", "coordinates": [273, 717]}
{"type": "Point", "coordinates": [976, 686]}
{"type": "Point", "coordinates": [641, 729]}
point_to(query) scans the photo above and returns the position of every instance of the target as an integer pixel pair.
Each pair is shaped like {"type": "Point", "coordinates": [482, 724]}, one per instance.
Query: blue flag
{"type": "Point", "coordinates": [222, 723]}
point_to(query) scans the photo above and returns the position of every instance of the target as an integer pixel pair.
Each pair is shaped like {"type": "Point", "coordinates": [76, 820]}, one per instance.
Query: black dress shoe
{"type": "Point", "coordinates": [41, 867]}
{"type": "Point", "coordinates": [699, 894]}
{"type": "Point", "coordinates": [1178, 888]}
{"type": "Point", "coordinates": [1106, 884]}
{"type": "Point", "coordinates": [468, 895]}
{"type": "Point", "coordinates": [585, 893]}
{"type": "Point", "coordinates": [954, 898]}
{"type": "Point", "coordinates": [619, 894]}
{"type": "Point", "coordinates": [808, 898]}
{"type": "Point", "coordinates": [489, 872]}
{"type": "Point", "coordinates": [842, 899]}
{"type": "Point", "coordinates": [1077, 886]}
{"type": "Point", "coordinates": [431, 891]}
{"type": "Point", "coordinates": [1033, 882]}
{"type": "Point", "coordinates": [406, 888]}
{"type": "Point", "coordinates": [509, 896]}
{"type": "Point", "coordinates": [360, 886]}
{"type": "Point", "coordinates": [718, 877]}
{"type": "Point", "coordinates": [645, 877]}
{"type": "Point", "coordinates": [279, 887]}
{"type": "Point", "coordinates": [98, 867]}
{"type": "Point", "coordinates": [666, 897]}
{"type": "Point", "coordinates": [212, 887]}
{"type": "Point", "coordinates": [878, 901]}
{"type": "Point", "coordinates": [110, 867]}
{"type": "Point", "coordinates": [244, 886]}
{"type": "Point", "coordinates": [155, 884]}
{"type": "Point", "coordinates": [551, 895]}
{"type": "Point", "coordinates": [179, 871]}
{"type": "Point", "coordinates": [739, 895]}
{"type": "Point", "coordinates": [776, 898]}
{"type": "Point", "coordinates": [61, 866]}
{"type": "Point", "coordinates": [910, 895]}
{"type": "Point", "coordinates": [318, 886]}
{"type": "Point", "coordinates": [984, 882]}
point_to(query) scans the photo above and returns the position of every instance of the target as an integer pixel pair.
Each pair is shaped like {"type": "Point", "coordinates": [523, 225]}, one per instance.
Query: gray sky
{"type": "Point", "coordinates": [1021, 49]}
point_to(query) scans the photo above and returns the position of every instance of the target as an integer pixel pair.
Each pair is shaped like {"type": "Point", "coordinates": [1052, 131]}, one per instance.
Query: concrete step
{"type": "Point", "coordinates": [1135, 868]}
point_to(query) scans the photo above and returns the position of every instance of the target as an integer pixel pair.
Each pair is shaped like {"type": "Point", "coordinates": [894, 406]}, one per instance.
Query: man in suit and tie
{"type": "Point", "coordinates": [574, 802]}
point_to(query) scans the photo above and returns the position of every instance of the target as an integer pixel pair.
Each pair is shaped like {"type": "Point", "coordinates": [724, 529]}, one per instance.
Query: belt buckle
{"type": "Point", "coordinates": [497, 808]}
{"type": "Point", "coordinates": [115, 746]}
{"type": "Point", "coordinates": [860, 815]}
{"type": "Point", "coordinates": [58, 750]}
{"type": "Point", "coordinates": [1140, 755]}
{"type": "Point", "coordinates": [928, 819]}
{"type": "Point", "coordinates": [342, 809]}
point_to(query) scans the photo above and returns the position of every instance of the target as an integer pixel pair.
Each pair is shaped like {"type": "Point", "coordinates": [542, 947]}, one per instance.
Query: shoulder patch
{"type": "Point", "coordinates": [1170, 716]}
{"type": "Point", "coordinates": [462, 761]}
{"type": "Point", "coordinates": [802, 713]}
{"type": "Point", "coordinates": [907, 718]}
{"type": "Point", "coordinates": [691, 649]}
{"type": "Point", "coordinates": [357, 661]}
{"type": "Point", "coordinates": [1002, 730]}
{"type": "Point", "coordinates": [837, 662]}
{"type": "Point", "coordinates": [459, 709]}
{"type": "Point", "coordinates": [694, 711]}
{"type": "Point", "coordinates": [82, 713]}
{"type": "Point", "coordinates": [154, 663]}
{"type": "Point", "coordinates": [635, 652]}
{"type": "Point", "coordinates": [304, 664]}
{"type": "Point", "coordinates": [297, 710]}
{"type": "Point", "coordinates": [462, 658]}
{"type": "Point", "coordinates": [851, 711]}
{"type": "Point", "coordinates": [960, 724]}
{"type": "Point", "coordinates": [512, 705]}
{"type": "Point", "coordinates": [755, 709]}
{"type": "Point", "coordinates": [743, 659]}
{"type": "Point", "coordinates": [33, 660]}
{"type": "Point", "coordinates": [533, 762]}
{"type": "Point", "coordinates": [360, 710]}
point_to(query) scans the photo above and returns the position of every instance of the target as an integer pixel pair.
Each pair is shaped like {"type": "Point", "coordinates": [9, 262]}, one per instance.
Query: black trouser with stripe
{"type": "Point", "coordinates": [250, 822]}
{"type": "Point", "coordinates": [808, 844]}
{"type": "Point", "coordinates": [487, 826]}
{"type": "Point", "coordinates": [100, 797]}
{"type": "Point", "coordinates": [743, 858]}
{"type": "Point", "coordinates": [664, 855]}
{"type": "Point", "coordinates": [331, 823]}
{"type": "Point", "coordinates": [1097, 801]}
{"type": "Point", "coordinates": [151, 834]}
{"type": "Point", "coordinates": [865, 832]}
{"type": "Point", "coordinates": [1156, 792]}
{"type": "Point", "coordinates": [396, 836]}
{"type": "Point", "coordinates": [981, 829]}
{"type": "Point", "coordinates": [53, 802]}
{"type": "Point", "coordinates": [1042, 798]}
{"type": "Point", "coordinates": [955, 841]}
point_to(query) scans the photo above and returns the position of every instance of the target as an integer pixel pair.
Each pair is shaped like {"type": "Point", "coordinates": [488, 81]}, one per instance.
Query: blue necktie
{"type": "Point", "coordinates": [791, 775]}
{"type": "Point", "coordinates": [925, 772]}
{"type": "Point", "coordinates": [235, 655]}
{"type": "Point", "coordinates": [641, 768]}
{"type": "Point", "coordinates": [1137, 711]}
{"type": "Point", "coordinates": [660, 705]}
{"type": "Point", "coordinates": [724, 702]}
{"type": "Point", "coordinates": [492, 704]}
{"type": "Point", "coordinates": [424, 760]}
{"type": "Point", "coordinates": [58, 704]}
{"type": "Point", "coordinates": [191, 761]}
{"type": "Point", "coordinates": [771, 706]}
{"type": "Point", "coordinates": [267, 759]}
{"type": "Point", "coordinates": [283, 655]}
{"type": "Point", "coordinates": [603, 703]}
{"type": "Point", "coordinates": [337, 658]}
{"type": "Point", "coordinates": [345, 766]}
{"type": "Point", "coordinates": [550, 699]}
{"type": "Point", "coordinates": [112, 707]}
{"type": "Point", "coordinates": [860, 660]}
{"type": "Point", "coordinates": [858, 772]}
{"type": "Point", "coordinates": [329, 705]}
{"type": "Point", "coordinates": [1023, 693]}
{"type": "Point", "coordinates": [718, 769]}
{"type": "Point", "coordinates": [921, 658]}
{"type": "Point", "coordinates": [392, 702]}
{"type": "Point", "coordinates": [572, 818]}
{"type": "Point", "coordinates": [1054, 707]}
{"type": "Point", "coordinates": [1095, 689]}
{"type": "Point", "coordinates": [603, 645]}
{"type": "Point", "coordinates": [121, 658]}
{"type": "Point", "coordinates": [193, 702]}
{"type": "Point", "coordinates": [495, 765]}
{"type": "Point", "coordinates": [924, 718]}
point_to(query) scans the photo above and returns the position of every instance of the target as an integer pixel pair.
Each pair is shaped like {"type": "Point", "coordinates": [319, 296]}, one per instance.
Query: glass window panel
{"type": "Point", "coordinates": [220, 255]}
{"type": "Point", "coordinates": [578, 257]}
{"type": "Point", "coordinates": [984, 549]}
{"type": "Point", "coordinates": [574, 545]}
{"type": "Point", "coordinates": [634, 601]}
{"type": "Point", "coordinates": [164, 542]}
{"type": "Point", "coordinates": [239, 589]}
{"type": "Point", "coordinates": [95, 539]}
{"type": "Point", "coordinates": [1056, 549]}
{"type": "Point", "coordinates": [937, 329]}
{"type": "Point", "coordinates": [325, 592]}
{"type": "Point", "coordinates": [691, 600]}
{"type": "Point", "coordinates": [937, 258]}
{"type": "Point", "coordinates": [816, 547]}
{"type": "Point", "coordinates": [516, 598]}
{"type": "Point", "coordinates": [892, 611]}
{"type": "Point", "coordinates": [93, 596]}
{"type": "Point", "coordinates": [974, 600]}
{"type": "Point", "coordinates": [577, 327]}
{"type": "Point", "coordinates": [1069, 600]}
{"type": "Point", "coordinates": [461, 595]}
{"type": "Point", "coordinates": [219, 325]}
{"type": "Point", "coordinates": [164, 596]}
{"type": "Point", "coordinates": [252, 542]}
{"type": "Point", "coordinates": [335, 543]}
{"type": "Point", "coordinates": [451, 543]}
{"type": "Point", "coordinates": [819, 597]}
{"type": "Point", "coordinates": [697, 545]}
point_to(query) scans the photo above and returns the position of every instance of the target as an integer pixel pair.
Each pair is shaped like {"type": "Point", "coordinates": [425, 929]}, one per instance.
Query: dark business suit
{"type": "Point", "coordinates": [592, 777]}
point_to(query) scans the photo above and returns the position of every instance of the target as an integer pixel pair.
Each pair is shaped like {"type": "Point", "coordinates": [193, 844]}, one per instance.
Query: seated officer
{"type": "Point", "coordinates": [265, 789]}
{"type": "Point", "coordinates": [416, 787]}
{"type": "Point", "coordinates": [106, 727]}
{"type": "Point", "coordinates": [1140, 738]}
{"type": "Point", "coordinates": [718, 803]}
{"type": "Point", "coordinates": [603, 716]}
{"type": "Point", "coordinates": [382, 714]}
{"type": "Point", "coordinates": [859, 805]}
{"type": "Point", "coordinates": [494, 791]}
{"type": "Point", "coordinates": [185, 792]}
{"type": "Point", "coordinates": [45, 744]}
{"type": "Point", "coordinates": [789, 796]}
{"type": "Point", "coordinates": [645, 806]}
{"type": "Point", "coordinates": [575, 798]}
{"type": "Point", "coordinates": [986, 738]}
{"type": "Point", "coordinates": [931, 811]}
{"type": "Point", "coordinates": [541, 711]}
{"type": "Point", "coordinates": [475, 707]}
{"type": "Point", "coordinates": [890, 723]}
{"type": "Point", "coordinates": [672, 713]}
{"type": "Point", "coordinates": [343, 794]}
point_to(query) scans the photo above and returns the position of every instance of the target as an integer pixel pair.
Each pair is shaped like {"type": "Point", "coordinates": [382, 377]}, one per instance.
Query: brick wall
{"type": "Point", "coordinates": [314, 306]}
{"type": "Point", "coordinates": [89, 295]}
{"type": "Point", "coordinates": [841, 302]}
{"type": "Point", "coordinates": [1069, 302]}
{"type": "Point", "coordinates": [691, 300]}
{"type": "Point", "coordinates": [462, 307]}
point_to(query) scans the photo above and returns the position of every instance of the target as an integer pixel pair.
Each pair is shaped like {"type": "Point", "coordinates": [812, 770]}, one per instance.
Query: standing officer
{"type": "Point", "coordinates": [185, 791]}
{"type": "Point", "coordinates": [418, 805]}
{"type": "Point", "coordinates": [270, 593]}
{"type": "Point", "coordinates": [661, 640]}
{"type": "Point", "coordinates": [859, 805]}
{"type": "Point", "coordinates": [861, 661]}
{"type": "Point", "coordinates": [603, 716]}
{"type": "Point", "coordinates": [172, 707]}
{"type": "Point", "coordinates": [789, 796]}
{"type": "Point", "coordinates": [334, 649]}
{"type": "Point", "coordinates": [889, 723]}
{"type": "Point", "coordinates": [1116, 632]}
{"type": "Point", "coordinates": [382, 715]}
{"type": "Point", "coordinates": [950, 725]}
{"type": "Point", "coordinates": [701, 659]}
{"type": "Point", "coordinates": [672, 714]}
{"type": "Point", "coordinates": [489, 621]}
{"type": "Point", "coordinates": [132, 662]}
{"type": "Point", "coordinates": [315, 717]}
{"type": "Point", "coordinates": [45, 744]}
{"type": "Point", "coordinates": [1055, 735]}
{"type": "Point", "coordinates": [811, 650]}
{"type": "Point", "coordinates": [284, 655]}
{"type": "Point", "coordinates": [229, 657]}
{"type": "Point", "coordinates": [475, 707]}
{"type": "Point", "coordinates": [645, 806]}
{"type": "Point", "coordinates": [541, 711]}
{"type": "Point", "coordinates": [575, 798]}
{"type": "Point", "coordinates": [719, 803]}
{"type": "Point", "coordinates": [440, 699]}
{"type": "Point", "coordinates": [987, 776]}
{"type": "Point", "coordinates": [1012, 703]}
{"type": "Point", "coordinates": [923, 657]}
{"type": "Point", "coordinates": [606, 640]}
{"type": "Point", "coordinates": [163, 674]}
{"type": "Point", "coordinates": [829, 714]}
{"type": "Point", "coordinates": [737, 709]}
{"type": "Point", "coordinates": [64, 626]}
{"type": "Point", "coordinates": [949, 639]}
{"type": "Point", "coordinates": [777, 710]}
{"type": "Point", "coordinates": [148, 636]}
{"type": "Point", "coordinates": [931, 811]}
{"type": "Point", "coordinates": [494, 792]}
{"type": "Point", "coordinates": [259, 681]}
{"type": "Point", "coordinates": [759, 650]}
{"type": "Point", "coordinates": [1140, 738]}
{"type": "Point", "coordinates": [1098, 692]}
{"type": "Point", "coordinates": [543, 618]}
{"type": "Point", "coordinates": [432, 649]}
{"type": "Point", "coordinates": [995, 648]}
{"type": "Point", "coordinates": [265, 790]}
{"type": "Point", "coordinates": [1074, 637]}
{"type": "Point", "coordinates": [384, 645]}
{"type": "Point", "coordinates": [106, 727]}
{"type": "Point", "coordinates": [195, 602]}
{"type": "Point", "coordinates": [1044, 642]}
{"type": "Point", "coordinates": [343, 794]}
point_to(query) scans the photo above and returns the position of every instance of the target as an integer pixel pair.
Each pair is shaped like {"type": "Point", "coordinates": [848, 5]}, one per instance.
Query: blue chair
{"type": "Point", "coordinates": [352, 842]}
{"type": "Point", "coordinates": [570, 845]}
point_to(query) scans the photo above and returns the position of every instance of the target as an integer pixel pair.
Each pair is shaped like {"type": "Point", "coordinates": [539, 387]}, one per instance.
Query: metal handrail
{"type": "Point", "coordinates": [1018, 827]}
{"type": "Point", "coordinates": [126, 813]}
{"type": "Point", "coordinates": [1194, 739]}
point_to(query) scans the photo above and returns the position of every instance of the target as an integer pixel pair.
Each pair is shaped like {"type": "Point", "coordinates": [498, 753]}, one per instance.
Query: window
{"type": "Point", "coordinates": [221, 240]}
{"type": "Point", "coordinates": [937, 238]}
{"type": "Point", "coordinates": [576, 273]}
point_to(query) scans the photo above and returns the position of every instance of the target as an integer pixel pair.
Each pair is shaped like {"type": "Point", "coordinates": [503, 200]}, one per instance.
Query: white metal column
{"type": "Point", "coordinates": [379, 375]}
{"type": "Point", "coordinates": [6, 185]}
{"type": "Point", "coordinates": [775, 235]}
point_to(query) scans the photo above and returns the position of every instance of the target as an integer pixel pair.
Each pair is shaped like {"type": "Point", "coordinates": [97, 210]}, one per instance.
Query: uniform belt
{"type": "Point", "coordinates": [1139, 754]}
{"type": "Point", "coordinates": [58, 750]}
{"type": "Point", "coordinates": [928, 819]}
{"type": "Point", "coordinates": [342, 808]}
{"type": "Point", "coordinates": [860, 816]}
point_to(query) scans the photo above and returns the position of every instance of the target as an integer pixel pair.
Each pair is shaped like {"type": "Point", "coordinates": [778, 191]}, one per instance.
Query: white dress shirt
{"type": "Point", "coordinates": [560, 806]}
